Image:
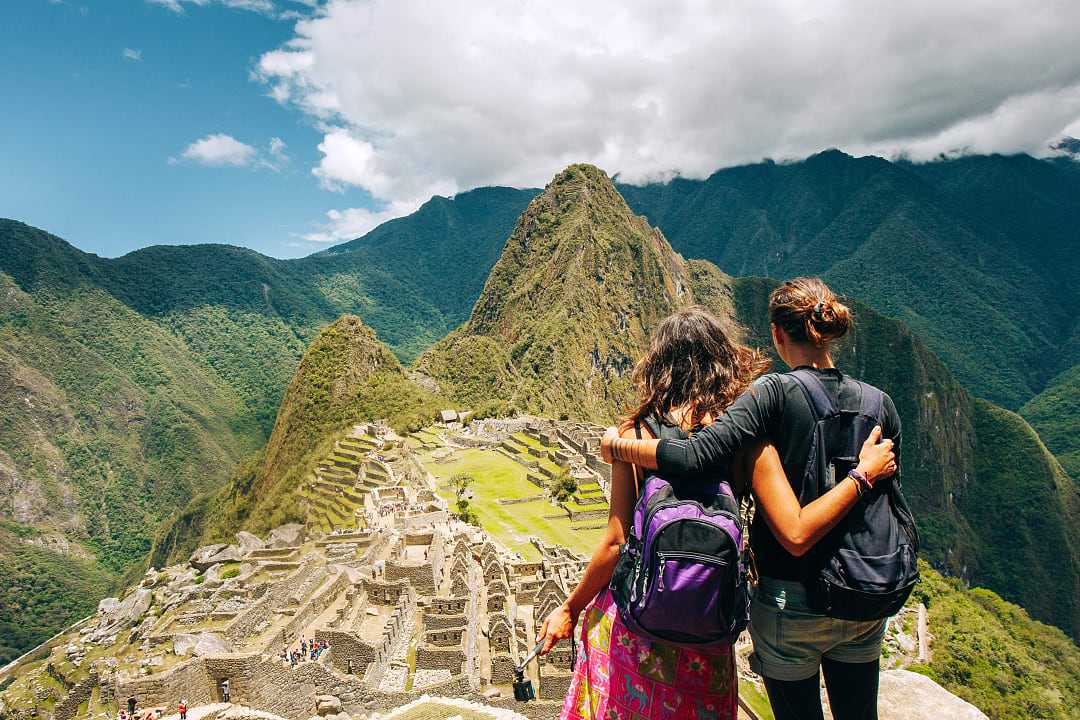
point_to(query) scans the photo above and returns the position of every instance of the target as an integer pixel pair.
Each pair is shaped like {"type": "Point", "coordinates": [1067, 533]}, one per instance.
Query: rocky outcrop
{"type": "Point", "coordinates": [209, 555]}
{"type": "Point", "coordinates": [327, 705]}
{"type": "Point", "coordinates": [200, 644]}
{"type": "Point", "coordinates": [905, 695]}
{"type": "Point", "coordinates": [285, 536]}
{"type": "Point", "coordinates": [117, 614]}
{"type": "Point", "coordinates": [248, 541]}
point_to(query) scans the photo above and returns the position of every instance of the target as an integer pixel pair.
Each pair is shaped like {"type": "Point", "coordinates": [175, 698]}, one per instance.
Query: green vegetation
{"type": "Point", "coordinates": [991, 653]}
{"type": "Point", "coordinates": [563, 348]}
{"type": "Point", "coordinates": [41, 591]}
{"type": "Point", "coordinates": [459, 485]}
{"type": "Point", "coordinates": [497, 477]}
{"type": "Point", "coordinates": [1055, 413]}
{"type": "Point", "coordinates": [562, 487]}
{"type": "Point", "coordinates": [229, 570]}
{"type": "Point", "coordinates": [136, 383]}
{"type": "Point", "coordinates": [1024, 510]}
{"type": "Point", "coordinates": [566, 307]}
{"type": "Point", "coordinates": [986, 245]}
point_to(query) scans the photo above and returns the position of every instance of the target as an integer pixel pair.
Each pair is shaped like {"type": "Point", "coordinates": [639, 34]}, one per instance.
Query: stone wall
{"type": "Point", "coordinates": [68, 706]}
{"type": "Point", "coordinates": [421, 576]}
{"type": "Point", "coordinates": [445, 637]}
{"type": "Point", "coordinates": [502, 669]}
{"type": "Point", "coordinates": [554, 686]}
{"type": "Point", "coordinates": [434, 658]}
{"type": "Point", "coordinates": [248, 622]}
{"type": "Point", "coordinates": [188, 680]}
{"type": "Point", "coordinates": [421, 520]}
{"type": "Point", "coordinates": [448, 605]}
{"type": "Point", "coordinates": [380, 593]}
{"type": "Point", "coordinates": [348, 653]}
{"type": "Point", "coordinates": [434, 621]}
{"type": "Point", "coordinates": [315, 607]}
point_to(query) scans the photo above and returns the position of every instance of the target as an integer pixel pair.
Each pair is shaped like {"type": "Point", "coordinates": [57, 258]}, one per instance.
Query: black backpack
{"type": "Point", "coordinates": [864, 568]}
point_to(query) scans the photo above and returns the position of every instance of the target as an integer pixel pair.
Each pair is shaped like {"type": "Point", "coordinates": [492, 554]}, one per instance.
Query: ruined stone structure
{"type": "Point", "coordinates": [402, 597]}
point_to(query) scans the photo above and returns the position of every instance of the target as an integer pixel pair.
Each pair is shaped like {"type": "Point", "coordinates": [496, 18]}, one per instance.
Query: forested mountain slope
{"type": "Point", "coordinates": [975, 254]}
{"type": "Point", "coordinates": [1055, 414]}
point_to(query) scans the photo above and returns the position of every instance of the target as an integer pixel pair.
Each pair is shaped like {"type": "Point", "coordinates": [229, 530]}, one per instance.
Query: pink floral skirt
{"type": "Point", "coordinates": [622, 676]}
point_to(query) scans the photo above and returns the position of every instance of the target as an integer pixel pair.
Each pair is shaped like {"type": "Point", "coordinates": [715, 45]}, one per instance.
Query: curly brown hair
{"type": "Point", "coordinates": [692, 361]}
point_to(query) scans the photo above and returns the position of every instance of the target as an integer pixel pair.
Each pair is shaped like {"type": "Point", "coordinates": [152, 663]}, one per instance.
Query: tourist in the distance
{"type": "Point", "coordinates": [182, 709]}
{"type": "Point", "coordinates": [774, 423]}
{"type": "Point", "coordinates": [692, 371]}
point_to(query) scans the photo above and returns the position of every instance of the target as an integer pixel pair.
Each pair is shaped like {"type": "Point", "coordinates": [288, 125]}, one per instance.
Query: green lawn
{"type": "Point", "coordinates": [499, 477]}
{"type": "Point", "coordinates": [523, 439]}
{"type": "Point", "coordinates": [756, 699]}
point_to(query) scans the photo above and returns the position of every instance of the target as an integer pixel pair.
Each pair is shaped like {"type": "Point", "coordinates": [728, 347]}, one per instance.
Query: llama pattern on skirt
{"type": "Point", "coordinates": [621, 676]}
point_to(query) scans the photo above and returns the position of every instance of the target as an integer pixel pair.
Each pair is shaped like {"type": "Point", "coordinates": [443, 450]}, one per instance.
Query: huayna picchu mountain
{"type": "Point", "coordinates": [568, 305]}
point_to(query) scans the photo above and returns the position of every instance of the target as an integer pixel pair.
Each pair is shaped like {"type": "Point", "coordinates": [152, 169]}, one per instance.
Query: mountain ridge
{"type": "Point", "coordinates": [239, 322]}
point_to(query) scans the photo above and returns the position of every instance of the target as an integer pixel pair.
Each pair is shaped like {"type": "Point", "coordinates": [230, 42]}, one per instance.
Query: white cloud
{"type": "Point", "coordinates": [414, 96]}
{"type": "Point", "coordinates": [353, 222]}
{"type": "Point", "coordinates": [219, 150]}
{"type": "Point", "coordinates": [131, 54]}
{"type": "Point", "coordinates": [173, 5]}
{"type": "Point", "coordinates": [276, 158]}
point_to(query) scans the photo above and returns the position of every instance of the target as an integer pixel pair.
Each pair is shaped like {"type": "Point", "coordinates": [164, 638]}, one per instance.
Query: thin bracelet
{"type": "Point", "coordinates": [860, 481]}
{"type": "Point", "coordinates": [858, 487]}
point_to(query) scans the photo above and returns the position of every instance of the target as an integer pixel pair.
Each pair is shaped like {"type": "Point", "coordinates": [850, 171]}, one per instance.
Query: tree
{"type": "Point", "coordinates": [460, 483]}
{"type": "Point", "coordinates": [562, 487]}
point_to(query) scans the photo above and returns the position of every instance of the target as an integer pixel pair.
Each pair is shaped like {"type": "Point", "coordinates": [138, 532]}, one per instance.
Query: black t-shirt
{"type": "Point", "coordinates": [773, 409]}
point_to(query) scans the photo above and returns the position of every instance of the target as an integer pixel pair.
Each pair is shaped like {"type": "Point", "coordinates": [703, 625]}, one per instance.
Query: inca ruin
{"type": "Point", "coordinates": [404, 599]}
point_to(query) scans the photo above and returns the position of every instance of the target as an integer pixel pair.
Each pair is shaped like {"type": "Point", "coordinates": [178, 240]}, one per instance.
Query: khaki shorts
{"type": "Point", "coordinates": [790, 639]}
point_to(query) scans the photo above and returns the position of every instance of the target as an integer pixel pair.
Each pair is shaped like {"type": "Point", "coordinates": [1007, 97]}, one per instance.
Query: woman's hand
{"type": "Point", "coordinates": [557, 626]}
{"type": "Point", "coordinates": [605, 444]}
{"type": "Point", "coordinates": [876, 459]}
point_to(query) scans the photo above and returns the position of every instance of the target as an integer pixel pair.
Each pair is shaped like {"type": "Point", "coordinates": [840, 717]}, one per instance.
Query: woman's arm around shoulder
{"type": "Point", "coordinates": [746, 422]}
{"type": "Point", "coordinates": [798, 528]}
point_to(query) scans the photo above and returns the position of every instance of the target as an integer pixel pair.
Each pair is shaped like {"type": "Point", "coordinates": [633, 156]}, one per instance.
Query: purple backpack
{"type": "Point", "coordinates": [681, 574]}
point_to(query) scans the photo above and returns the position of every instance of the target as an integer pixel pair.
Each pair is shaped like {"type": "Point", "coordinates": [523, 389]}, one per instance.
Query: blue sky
{"type": "Point", "coordinates": [286, 125]}
{"type": "Point", "coordinates": [86, 134]}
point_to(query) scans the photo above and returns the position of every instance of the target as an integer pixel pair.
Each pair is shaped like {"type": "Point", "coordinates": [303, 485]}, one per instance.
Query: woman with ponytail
{"type": "Point", "coordinates": [774, 421]}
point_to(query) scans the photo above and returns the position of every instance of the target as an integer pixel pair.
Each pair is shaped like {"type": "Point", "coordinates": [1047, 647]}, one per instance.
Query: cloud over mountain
{"type": "Point", "coordinates": [420, 98]}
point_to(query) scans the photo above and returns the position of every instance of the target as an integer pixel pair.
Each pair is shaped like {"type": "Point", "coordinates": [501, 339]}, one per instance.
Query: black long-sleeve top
{"type": "Point", "coordinates": [772, 410]}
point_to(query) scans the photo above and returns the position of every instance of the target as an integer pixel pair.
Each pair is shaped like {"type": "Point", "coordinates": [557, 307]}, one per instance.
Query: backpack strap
{"type": "Point", "coordinates": [821, 402]}
{"type": "Point", "coordinates": [871, 401]}
{"type": "Point", "coordinates": [633, 467]}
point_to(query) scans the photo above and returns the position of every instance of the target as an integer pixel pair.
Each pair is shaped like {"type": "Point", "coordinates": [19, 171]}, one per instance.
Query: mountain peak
{"type": "Point", "coordinates": [581, 282]}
